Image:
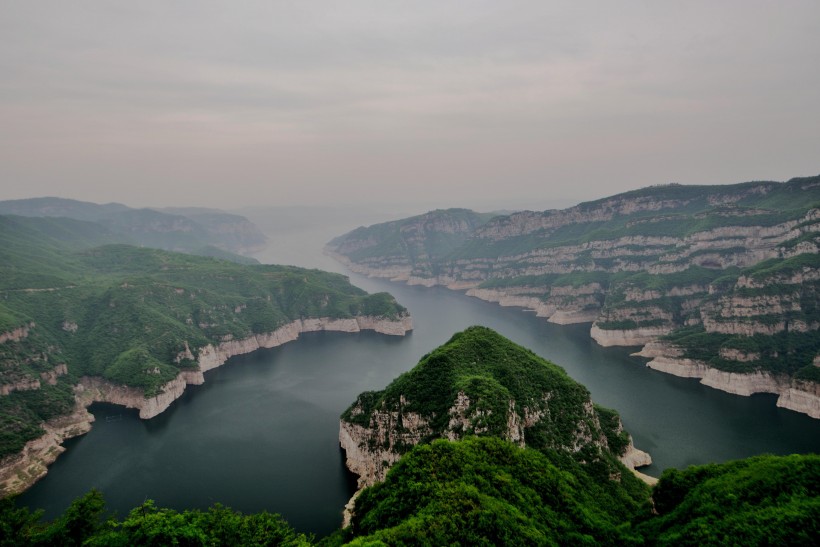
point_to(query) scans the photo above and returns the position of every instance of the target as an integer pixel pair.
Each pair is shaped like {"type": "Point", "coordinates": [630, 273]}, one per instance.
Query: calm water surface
{"type": "Point", "coordinates": [261, 433]}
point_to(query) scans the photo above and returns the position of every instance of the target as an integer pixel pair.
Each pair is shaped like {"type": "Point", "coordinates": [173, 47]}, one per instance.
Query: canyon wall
{"type": "Point", "coordinates": [740, 263]}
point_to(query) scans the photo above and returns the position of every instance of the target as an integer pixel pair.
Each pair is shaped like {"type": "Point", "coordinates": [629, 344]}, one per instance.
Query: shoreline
{"type": "Point", "coordinates": [794, 395]}
{"type": "Point", "coordinates": [18, 472]}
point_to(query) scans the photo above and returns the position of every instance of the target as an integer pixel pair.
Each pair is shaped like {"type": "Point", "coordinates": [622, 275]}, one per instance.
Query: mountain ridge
{"type": "Point", "coordinates": [650, 264]}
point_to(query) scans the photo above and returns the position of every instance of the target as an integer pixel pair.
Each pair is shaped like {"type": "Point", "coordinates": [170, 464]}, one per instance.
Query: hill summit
{"type": "Point", "coordinates": [480, 383]}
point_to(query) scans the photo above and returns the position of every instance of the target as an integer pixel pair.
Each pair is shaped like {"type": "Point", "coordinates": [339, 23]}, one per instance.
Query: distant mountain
{"type": "Point", "coordinates": [183, 229]}
{"type": "Point", "coordinates": [722, 281]}
{"type": "Point", "coordinates": [60, 207]}
{"type": "Point", "coordinates": [413, 246]}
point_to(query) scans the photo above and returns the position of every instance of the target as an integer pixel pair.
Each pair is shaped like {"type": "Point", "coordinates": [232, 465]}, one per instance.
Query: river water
{"type": "Point", "coordinates": [261, 433]}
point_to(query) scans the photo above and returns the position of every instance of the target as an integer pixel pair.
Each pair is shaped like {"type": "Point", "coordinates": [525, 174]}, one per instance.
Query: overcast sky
{"type": "Point", "coordinates": [468, 103]}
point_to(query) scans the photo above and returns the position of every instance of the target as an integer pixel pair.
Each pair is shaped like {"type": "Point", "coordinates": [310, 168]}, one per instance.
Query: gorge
{"type": "Point", "coordinates": [727, 275]}
{"type": "Point", "coordinates": [262, 432]}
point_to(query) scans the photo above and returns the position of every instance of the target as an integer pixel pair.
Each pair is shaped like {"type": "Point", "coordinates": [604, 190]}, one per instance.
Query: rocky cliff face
{"type": "Point", "coordinates": [370, 451]}
{"type": "Point", "coordinates": [737, 261]}
{"type": "Point", "coordinates": [793, 394]}
{"type": "Point", "coordinates": [15, 335]}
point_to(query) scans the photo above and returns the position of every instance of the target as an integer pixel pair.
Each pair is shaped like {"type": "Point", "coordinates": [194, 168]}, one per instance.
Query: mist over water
{"type": "Point", "coordinates": [261, 433]}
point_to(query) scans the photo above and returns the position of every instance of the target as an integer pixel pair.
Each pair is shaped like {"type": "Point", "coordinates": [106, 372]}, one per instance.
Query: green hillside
{"type": "Point", "coordinates": [126, 313]}
{"type": "Point", "coordinates": [482, 384]}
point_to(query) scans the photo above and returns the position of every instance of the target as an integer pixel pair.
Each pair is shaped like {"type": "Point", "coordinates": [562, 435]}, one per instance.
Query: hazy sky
{"type": "Point", "coordinates": [472, 103]}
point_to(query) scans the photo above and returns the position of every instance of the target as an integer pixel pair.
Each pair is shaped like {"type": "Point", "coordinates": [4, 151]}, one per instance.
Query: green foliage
{"type": "Point", "coordinates": [494, 373]}
{"type": "Point", "coordinates": [775, 267]}
{"type": "Point", "coordinates": [617, 438]}
{"type": "Point", "coordinates": [16, 523]}
{"type": "Point", "coordinates": [790, 353]}
{"type": "Point", "coordinates": [83, 523]}
{"type": "Point", "coordinates": [138, 368]}
{"type": "Point", "coordinates": [765, 500]}
{"type": "Point", "coordinates": [484, 491]}
{"type": "Point", "coordinates": [127, 313]}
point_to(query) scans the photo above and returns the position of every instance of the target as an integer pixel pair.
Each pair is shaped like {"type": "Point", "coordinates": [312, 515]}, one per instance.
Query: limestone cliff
{"type": "Point", "coordinates": [212, 356]}
{"type": "Point", "coordinates": [793, 394]}
{"type": "Point", "coordinates": [739, 262]}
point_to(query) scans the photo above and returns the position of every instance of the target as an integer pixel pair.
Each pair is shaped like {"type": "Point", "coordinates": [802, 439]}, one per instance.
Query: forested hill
{"type": "Point", "coordinates": [207, 232]}
{"type": "Point", "coordinates": [728, 273]}
{"type": "Point", "coordinates": [481, 383]}
{"type": "Point", "coordinates": [133, 316]}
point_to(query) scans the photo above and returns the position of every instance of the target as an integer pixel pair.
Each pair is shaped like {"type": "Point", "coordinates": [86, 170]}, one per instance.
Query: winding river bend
{"type": "Point", "coordinates": [261, 433]}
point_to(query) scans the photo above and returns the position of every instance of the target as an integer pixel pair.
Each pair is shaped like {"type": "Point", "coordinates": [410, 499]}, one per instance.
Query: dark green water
{"type": "Point", "coordinates": [261, 434]}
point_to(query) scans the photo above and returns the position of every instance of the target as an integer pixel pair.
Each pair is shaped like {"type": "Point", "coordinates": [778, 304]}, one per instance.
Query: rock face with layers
{"type": "Point", "coordinates": [793, 393]}
{"type": "Point", "coordinates": [738, 261]}
{"type": "Point", "coordinates": [480, 383]}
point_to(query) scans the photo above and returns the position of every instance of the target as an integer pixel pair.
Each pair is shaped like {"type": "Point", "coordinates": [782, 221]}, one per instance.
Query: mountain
{"type": "Point", "coordinates": [415, 245]}
{"type": "Point", "coordinates": [192, 230]}
{"type": "Point", "coordinates": [720, 281]}
{"type": "Point", "coordinates": [83, 322]}
{"type": "Point", "coordinates": [481, 384]}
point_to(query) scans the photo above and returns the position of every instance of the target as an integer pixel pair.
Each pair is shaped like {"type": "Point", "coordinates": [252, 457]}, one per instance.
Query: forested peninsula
{"type": "Point", "coordinates": [715, 282]}
{"type": "Point", "coordinates": [84, 318]}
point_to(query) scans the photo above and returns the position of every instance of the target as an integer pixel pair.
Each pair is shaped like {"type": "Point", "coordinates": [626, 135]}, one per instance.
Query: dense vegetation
{"type": "Point", "coordinates": [86, 523]}
{"type": "Point", "coordinates": [500, 377]}
{"type": "Point", "coordinates": [484, 491]}
{"type": "Point", "coordinates": [765, 500]}
{"type": "Point", "coordinates": [128, 314]}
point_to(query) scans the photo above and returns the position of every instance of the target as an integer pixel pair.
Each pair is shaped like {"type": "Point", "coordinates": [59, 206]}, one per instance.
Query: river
{"type": "Point", "coordinates": [261, 433]}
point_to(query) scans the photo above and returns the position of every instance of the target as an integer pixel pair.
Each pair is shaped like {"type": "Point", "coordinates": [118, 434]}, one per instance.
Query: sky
{"type": "Point", "coordinates": [488, 105]}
